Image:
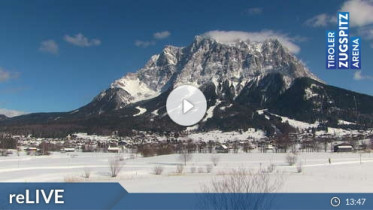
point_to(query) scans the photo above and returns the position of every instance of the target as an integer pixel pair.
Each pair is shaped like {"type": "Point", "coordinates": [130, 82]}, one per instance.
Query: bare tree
{"type": "Point", "coordinates": [179, 168]}
{"type": "Point", "coordinates": [271, 168]}
{"type": "Point", "coordinates": [87, 172]}
{"type": "Point", "coordinates": [299, 168]}
{"type": "Point", "coordinates": [185, 156]}
{"type": "Point", "coordinates": [243, 181]}
{"type": "Point", "coordinates": [115, 166]}
{"type": "Point", "coordinates": [291, 158]}
{"type": "Point", "coordinates": [215, 160]}
{"type": "Point", "coordinates": [241, 189]}
{"type": "Point", "coordinates": [158, 170]}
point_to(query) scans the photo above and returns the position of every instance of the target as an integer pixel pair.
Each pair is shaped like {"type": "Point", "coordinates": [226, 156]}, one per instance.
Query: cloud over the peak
{"type": "Point", "coordinates": [81, 41]}
{"type": "Point", "coordinates": [234, 36]}
{"type": "Point", "coordinates": [156, 37]}
{"type": "Point", "coordinates": [161, 35]}
{"type": "Point", "coordinates": [49, 46]}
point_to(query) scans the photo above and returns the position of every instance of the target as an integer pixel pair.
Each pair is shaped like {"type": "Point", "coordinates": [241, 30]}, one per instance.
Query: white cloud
{"type": "Point", "coordinates": [234, 36]}
{"type": "Point", "coordinates": [254, 11]}
{"type": "Point", "coordinates": [144, 44]}
{"type": "Point", "coordinates": [81, 41]}
{"type": "Point", "coordinates": [6, 75]}
{"type": "Point", "coordinates": [156, 36]}
{"type": "Point", "coordinates": [11, 113]}
{"type": "Point", "coordinates": [358, 76]}
{"type": "Point", "coordinates": [161, 35]}
{"type": "Point", "coordinates": [49, 46]}
{"type": "Point", "coordinates": [321, 20]}
{"type": "Point", "coordinates": [360, 11]}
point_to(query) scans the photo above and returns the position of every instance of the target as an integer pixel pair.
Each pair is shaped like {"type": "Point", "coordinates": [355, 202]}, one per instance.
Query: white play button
{"type": "Point", "coordinates": [186, 105]}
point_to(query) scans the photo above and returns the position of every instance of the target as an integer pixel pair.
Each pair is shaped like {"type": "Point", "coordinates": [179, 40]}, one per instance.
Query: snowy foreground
{"type": "Point", "coordinates": [344, 174]}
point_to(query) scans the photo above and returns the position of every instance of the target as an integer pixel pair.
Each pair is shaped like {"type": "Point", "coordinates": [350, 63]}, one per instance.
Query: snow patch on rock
{"type": "Point", "coordinates": [141, 111]}
{"type": "Point", "coordinates": [210, 111]}
{"type": "Point", "coordinates": [342, 122]}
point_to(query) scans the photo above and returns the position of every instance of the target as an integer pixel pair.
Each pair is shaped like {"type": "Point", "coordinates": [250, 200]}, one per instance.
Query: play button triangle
{"type": "Point", "coordinates": [187, 106]}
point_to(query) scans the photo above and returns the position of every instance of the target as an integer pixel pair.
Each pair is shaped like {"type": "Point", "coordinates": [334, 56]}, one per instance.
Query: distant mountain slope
{"type": "Point", "coordinates": [3, 117]}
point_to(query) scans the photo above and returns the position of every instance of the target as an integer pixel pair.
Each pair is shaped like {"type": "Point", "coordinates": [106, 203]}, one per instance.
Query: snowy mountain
{"type": "Point", "coordinates": [205, 60]}
{"type": "Point", "coordinates": [238, 78]}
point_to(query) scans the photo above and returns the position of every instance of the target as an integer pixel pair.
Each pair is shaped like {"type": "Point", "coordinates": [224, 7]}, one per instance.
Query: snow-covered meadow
{"type": "Point", "coordinates": [346, 173]}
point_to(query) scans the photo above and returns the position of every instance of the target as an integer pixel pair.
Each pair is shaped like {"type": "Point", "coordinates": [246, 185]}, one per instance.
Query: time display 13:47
{"type": "Point", "coordinates": [355, 202]}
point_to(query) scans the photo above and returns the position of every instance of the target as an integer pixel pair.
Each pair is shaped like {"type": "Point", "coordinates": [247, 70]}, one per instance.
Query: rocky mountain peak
{"type": "Point", "coordinates": [208, 60]}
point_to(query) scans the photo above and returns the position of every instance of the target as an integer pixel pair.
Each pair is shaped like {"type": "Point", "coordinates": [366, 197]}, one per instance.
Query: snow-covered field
{"type": "Point", "coordinates": [344, 174]}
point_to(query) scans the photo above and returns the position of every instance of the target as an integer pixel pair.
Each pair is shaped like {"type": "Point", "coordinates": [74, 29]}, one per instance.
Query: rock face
{"type": "Point", "coordinates": [237, 78]}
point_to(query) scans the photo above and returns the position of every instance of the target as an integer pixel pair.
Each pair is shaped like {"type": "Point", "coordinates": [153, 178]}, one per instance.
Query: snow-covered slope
{"type": "Point", "coordinates": [137, 89]}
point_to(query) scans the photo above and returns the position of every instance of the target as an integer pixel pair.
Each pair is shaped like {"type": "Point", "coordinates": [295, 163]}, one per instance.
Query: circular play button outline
{"type": "Point", "coordinates": [186, 105]}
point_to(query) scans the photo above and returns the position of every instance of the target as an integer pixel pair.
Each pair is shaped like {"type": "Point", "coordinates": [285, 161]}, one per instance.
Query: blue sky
{"type": "Point", "coordinates": [58, 55]}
